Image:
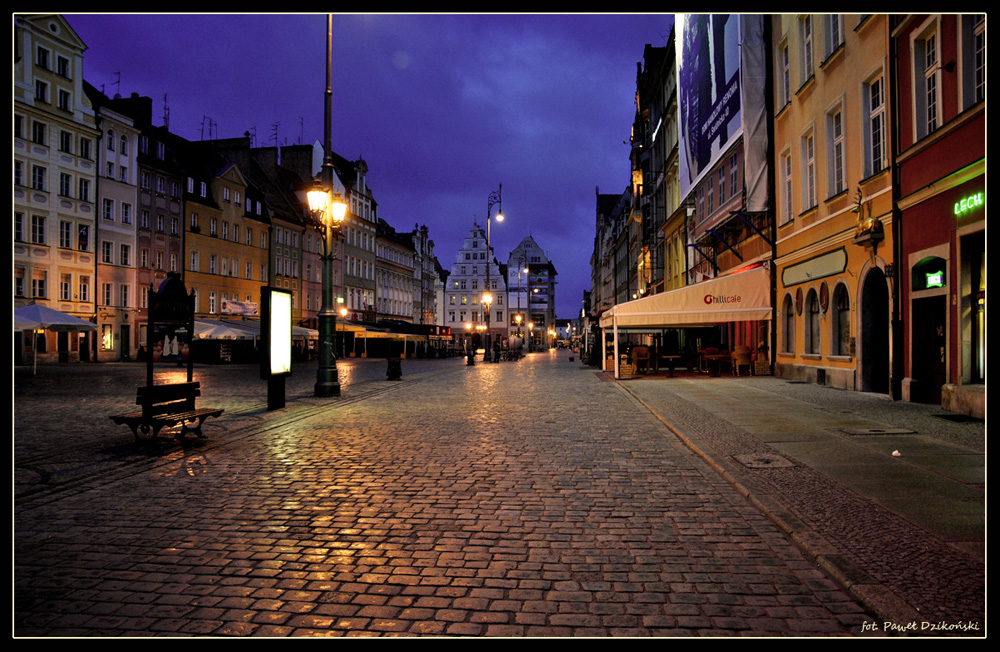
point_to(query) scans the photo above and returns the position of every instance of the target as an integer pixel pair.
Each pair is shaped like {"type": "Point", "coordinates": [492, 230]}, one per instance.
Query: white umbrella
{"type": "Point", "coordinates": [217, 329]}
{"type": "Point", "coordinates": [35, 316]}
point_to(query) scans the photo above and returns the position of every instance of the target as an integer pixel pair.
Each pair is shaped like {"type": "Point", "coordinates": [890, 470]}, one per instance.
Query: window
{"type": "Point", "coordinates": [106, 252]}
{"type": "Point", "coordinates": [785, 87]}
{"type": "Point", "coordinates": [808, 171]}
{"type": "Point", "coordinates": [194, 261]}
{"type": "Point", "coordinates": [66, 142]}
{"type": "Point", "coordinates": [841, 321]}
{"type": "Point", "coordinates": [812, 344]}
{"type": "Point", "coordinates": [123, 295]}
{"type": "Point", "coordinates": [835, 136]}
{"type": "Point", "coordinates": [37, 229]}
{"type": "Point", "coordinates": [806, 52]}
{"type": "Point", "coordinates": [85, 148]}
{"type": "Point", "coordinates": [108, 209]}
{"type": "Point", "coordinates": [42, 58]}
{"type": "Point", "coordinates": [62, 66]}
{"type": "Point", "coordinates": [874, 133]}
{"type": "Point", "coordinates": [126, 213]}
{"type": "Point", "coordinates": [38, 282]}
{"type": "Point", "coordinates": [786, 187]}
{"type": "Point", "coordinates": [126, 255]}
{"type": "Point", "coordinates": [38, 132]}
{"type": "Point", "coordinates": [65, 287]}
{"type": "Point", "coordinates": [927, 81]}
{"type": "Point", "coordinates": [84, 194]}
{"type": "Point", "coordinates": [931, 77]}
{"type": "Point", "coordinates": [65, 235]}
{"type": "Point", "coordinates": [41, 91]}
{"type": "Point", "coordinates": [38, 177]}
{"type": "Point", "coordinates": [834, 26]}
{"type": "Point", "coordinates": [84, 289]}
{"type": "Point", "coordinates": [64, 102]}
{"type": "Point", "coordinates": [788, 322]}
{"type": "Point", "coordinates": [973, 58]}
{"type": "Point", "coordinates": [65, 184]}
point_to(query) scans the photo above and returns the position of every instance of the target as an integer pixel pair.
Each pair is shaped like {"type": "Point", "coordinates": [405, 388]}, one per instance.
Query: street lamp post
{"type": "Point", "coordinates": [329, 215]}
{"type": "Point", "coordinates": [492, 200]}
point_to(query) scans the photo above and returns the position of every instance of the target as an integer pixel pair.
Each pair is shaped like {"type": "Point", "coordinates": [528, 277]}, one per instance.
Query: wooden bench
{"type": "Point", "coordinates": [166, 406]}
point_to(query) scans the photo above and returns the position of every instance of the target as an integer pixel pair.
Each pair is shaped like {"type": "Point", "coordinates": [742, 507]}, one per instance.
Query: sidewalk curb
{"type": "Point", "coordinates": [882, 601]}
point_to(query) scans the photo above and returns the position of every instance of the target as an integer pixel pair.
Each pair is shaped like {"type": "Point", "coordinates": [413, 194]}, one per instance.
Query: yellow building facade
{"type": "Point", "coordinates": [833, 200]}
{"type": "Point", "coordinates": [226, 246]}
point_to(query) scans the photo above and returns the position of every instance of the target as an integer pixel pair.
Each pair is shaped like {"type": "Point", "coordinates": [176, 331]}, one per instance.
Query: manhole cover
{"type": "Point", "coordinates": [763, 461]}
{"type": "Point", "coordinates": [877, 431]}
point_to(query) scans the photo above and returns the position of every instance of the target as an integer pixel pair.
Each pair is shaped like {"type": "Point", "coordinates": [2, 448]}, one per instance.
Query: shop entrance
{"type": "Point", "coordinates": [928, 355]}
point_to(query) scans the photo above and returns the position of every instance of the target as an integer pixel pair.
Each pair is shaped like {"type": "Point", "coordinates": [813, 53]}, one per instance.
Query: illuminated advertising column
{"type": "Point", "coordinates": [276, 343]}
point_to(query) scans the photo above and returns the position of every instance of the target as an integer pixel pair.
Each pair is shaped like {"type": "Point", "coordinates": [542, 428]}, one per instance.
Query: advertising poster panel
{"type": "Point", "coordinates": [709, 91]}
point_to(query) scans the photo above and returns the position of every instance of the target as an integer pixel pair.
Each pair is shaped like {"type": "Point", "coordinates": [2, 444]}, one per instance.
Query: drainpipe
{"type": "Point", "coordinates": [898, 368]}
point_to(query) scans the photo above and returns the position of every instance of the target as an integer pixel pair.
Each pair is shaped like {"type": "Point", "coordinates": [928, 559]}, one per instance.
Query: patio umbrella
{"type": "Point", "coordinates": [220, 330]}
{"type": "Point", "coordinates": [35, 316]}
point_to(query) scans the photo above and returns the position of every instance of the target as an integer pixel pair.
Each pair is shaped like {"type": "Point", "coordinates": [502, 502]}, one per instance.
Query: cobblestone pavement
{"type": "Point", "coordinates": [516, 499]}
{"type": "Point", "coordinates": [906, 533]}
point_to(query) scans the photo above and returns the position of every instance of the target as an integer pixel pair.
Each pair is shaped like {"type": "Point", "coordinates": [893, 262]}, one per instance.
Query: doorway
{"type": "Point", "coordinates": [874, 328]}
{"type": "Point", "coordinates": [929, 350]}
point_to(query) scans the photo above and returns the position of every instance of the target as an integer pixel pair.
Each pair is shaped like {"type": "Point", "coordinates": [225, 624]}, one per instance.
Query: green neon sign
{"type": "Point", "coordinates": [934, 279]}
{"type": "Point", "coordinates": [966, 204]}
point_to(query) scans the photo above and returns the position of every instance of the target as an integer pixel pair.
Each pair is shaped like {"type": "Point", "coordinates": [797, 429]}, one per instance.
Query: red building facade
{"type": "Point", "coordinates": [940, 163]}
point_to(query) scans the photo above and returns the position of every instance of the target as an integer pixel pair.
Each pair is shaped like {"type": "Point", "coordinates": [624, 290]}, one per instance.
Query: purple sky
{"type": "Point", "coordinates": [444, 108]}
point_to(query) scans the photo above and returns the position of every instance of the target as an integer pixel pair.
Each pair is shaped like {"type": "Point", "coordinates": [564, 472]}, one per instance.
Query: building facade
{"type": "Point", "coordinates": [940, 162]}
{"type": "Point", "coordinates": [474, 275]}
{"type": "Point", "coordinates": [55, 182]}
{"type": "Point", "coordinates": [396, 291]}
{"type": "Point", "coordinates": [535, 300]}
{"type": "Point", "coordinates": [425, 276]}
{"type": "Point", "coordinates": [834, 244]}
{"type": "Point", "coordinates": [118, 292]}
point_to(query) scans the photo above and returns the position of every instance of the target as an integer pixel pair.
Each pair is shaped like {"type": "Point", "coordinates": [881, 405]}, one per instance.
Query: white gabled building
{"type": "Point", "coordinates": [55, 181]}
{"type": "Point", "coordinates": [474, 271]}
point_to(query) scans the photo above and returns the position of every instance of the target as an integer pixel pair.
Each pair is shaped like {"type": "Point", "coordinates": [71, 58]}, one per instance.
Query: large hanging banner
{"type": "Point", "coordinates": [708, 91]}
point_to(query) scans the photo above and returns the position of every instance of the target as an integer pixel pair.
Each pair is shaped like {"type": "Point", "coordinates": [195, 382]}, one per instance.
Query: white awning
{"type": "Point", "coordinates": [744, 296]}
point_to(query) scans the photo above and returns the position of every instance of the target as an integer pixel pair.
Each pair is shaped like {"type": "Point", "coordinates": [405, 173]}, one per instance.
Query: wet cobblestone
{"type": "Point", "coordinates": [518, 500]}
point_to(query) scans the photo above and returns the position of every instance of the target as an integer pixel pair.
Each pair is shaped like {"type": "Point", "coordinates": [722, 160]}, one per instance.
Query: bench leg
{"type": "Point", "coordinates": [196, 429]}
